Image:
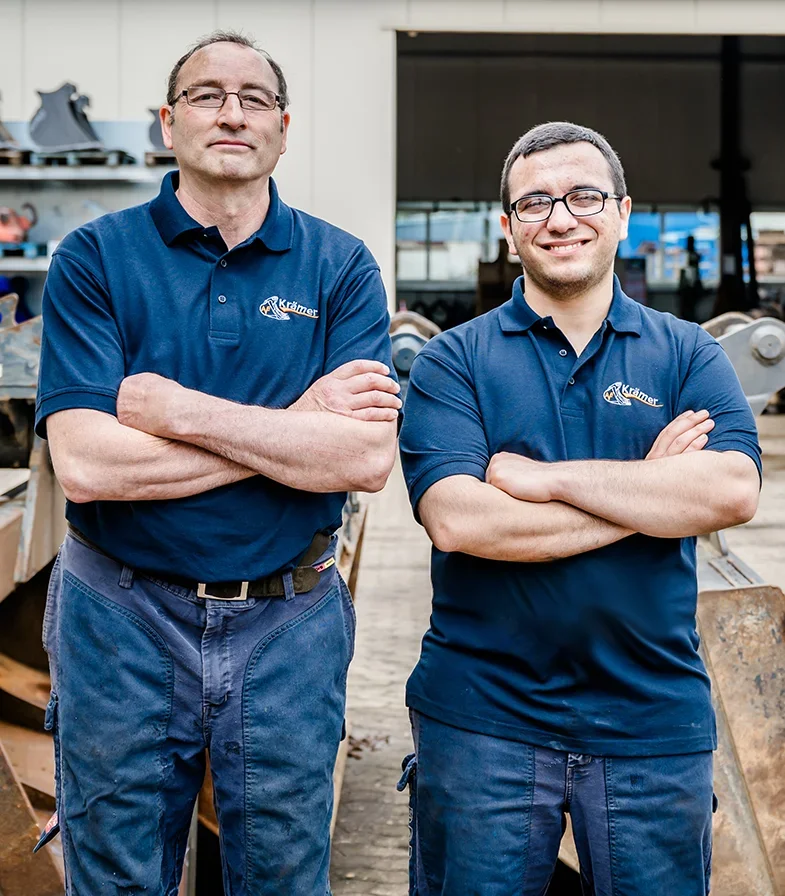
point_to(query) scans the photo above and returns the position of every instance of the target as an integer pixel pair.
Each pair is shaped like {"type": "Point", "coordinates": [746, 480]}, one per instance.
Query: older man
{"type": "Point", "coordinates": [562, 452]}
{"type": "Point", "coordinates": [214, 378]}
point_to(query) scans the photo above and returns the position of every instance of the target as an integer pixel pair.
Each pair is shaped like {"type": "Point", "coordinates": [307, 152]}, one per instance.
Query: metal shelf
{"type": "Point", "coordinates": [20, 265]}
{"type": "Point", "coordinates": [134, 174]}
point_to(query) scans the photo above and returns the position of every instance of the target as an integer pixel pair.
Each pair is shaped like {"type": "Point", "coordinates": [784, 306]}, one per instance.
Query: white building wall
{"type": "Point", "coordinates": [338, 55]}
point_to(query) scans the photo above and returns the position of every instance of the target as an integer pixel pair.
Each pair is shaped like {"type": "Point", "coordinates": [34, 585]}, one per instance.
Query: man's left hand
{"type": "Point", "coordinates": [148, 402]}
{"type": "Point", "coordinates": [525, 479]}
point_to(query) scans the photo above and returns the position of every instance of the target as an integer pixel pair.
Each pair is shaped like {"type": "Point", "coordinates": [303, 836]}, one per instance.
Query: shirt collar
{"type": "Point", "coordinates": [173, 221]}
{"type": "Point", "coordinates": [517, 316]}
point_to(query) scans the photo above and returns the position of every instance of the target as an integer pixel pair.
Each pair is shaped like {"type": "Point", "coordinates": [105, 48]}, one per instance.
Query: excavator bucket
{"type": "Point", "coordinates": [741, 621]}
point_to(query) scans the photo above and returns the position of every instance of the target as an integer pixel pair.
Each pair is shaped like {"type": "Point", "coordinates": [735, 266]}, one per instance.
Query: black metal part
{"type": "Point", "coordinates": [16, 432]}
{"type": "Point", "coordinates": [734, 203]}
{"type": "Point", "coordinates": [60, 123]}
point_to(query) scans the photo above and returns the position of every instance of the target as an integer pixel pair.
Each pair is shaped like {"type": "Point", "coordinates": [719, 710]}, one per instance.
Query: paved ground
{"type": "Point", "coordinates": [370, 847]}
{"type": "Point", "coordinates": [760, 543]}
{"type": "Point", "coordinates": [393, 602]}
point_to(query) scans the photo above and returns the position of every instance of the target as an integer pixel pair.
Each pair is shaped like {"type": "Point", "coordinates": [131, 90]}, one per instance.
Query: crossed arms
{"type": "Point", "coordinates": [171, 442]}
{"type": "Point", "coordinates": [530, 511]}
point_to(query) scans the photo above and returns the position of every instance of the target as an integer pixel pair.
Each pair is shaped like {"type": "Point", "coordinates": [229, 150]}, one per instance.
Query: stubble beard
{"type": "Point", "coordinates": [564, 289]}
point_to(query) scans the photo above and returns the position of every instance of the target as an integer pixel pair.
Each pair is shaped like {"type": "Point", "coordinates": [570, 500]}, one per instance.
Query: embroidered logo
{"type": "Point", "coordinates": [620, 394]}
{"type": "Point", "coordinates": [281, 309]}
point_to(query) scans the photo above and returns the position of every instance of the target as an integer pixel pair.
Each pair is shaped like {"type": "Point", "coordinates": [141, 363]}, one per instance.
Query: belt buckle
{"type": "Point", "coordinates": [201, 591]}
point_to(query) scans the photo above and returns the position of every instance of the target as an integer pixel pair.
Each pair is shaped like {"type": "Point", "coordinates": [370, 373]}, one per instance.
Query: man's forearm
{"type": "Point", "coordinates": [671, 497]}
{"type": "Point", "coordinates": [98, 459]}
{"type": "Point", "coordinates": [308, 450]}
{"type": "Point", "coordinates": [461, 513]}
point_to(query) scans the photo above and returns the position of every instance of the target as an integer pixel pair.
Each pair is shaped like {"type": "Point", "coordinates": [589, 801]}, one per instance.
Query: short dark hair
{"type": "Point", "coordinates": [560, 133]}
{"type": "Point", "coordinates": [229, 37]}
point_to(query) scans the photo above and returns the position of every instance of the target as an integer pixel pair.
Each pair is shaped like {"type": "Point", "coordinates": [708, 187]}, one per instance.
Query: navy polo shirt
{"type": "Point", "coordinates": [150, 289]}
{"type": "Point", "coordinates": [596, 653]}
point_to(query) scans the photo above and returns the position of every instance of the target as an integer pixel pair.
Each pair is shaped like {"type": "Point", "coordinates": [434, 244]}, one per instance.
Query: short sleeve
{"type": "Point", "coordinates": [711, 384]}
{"type": "Point", "coordinates": [358, 324]}
{"type": "Point", "coordinates": [82, 363]}
{"type": "Point", "coordinates": [443, 433]}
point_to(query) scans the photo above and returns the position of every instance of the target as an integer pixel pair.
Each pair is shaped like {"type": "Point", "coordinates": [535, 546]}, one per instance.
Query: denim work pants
{"type": "Point", "coordinates": [487, 816]}
{"type": "Point", "coordinates": [145, 678]}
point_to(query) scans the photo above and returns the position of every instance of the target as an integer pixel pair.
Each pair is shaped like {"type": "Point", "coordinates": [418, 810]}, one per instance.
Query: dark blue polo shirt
{"type": "Point", "coordinates": [149, 289]}
{"type": "Point", "coordinates": [596, 653]}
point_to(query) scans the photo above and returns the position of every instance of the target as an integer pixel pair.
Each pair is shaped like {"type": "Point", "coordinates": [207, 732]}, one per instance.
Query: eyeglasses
{"type": "Point", "coordinates": [579, 203]}
{"type": "Point", "coordinates": [255, 99]}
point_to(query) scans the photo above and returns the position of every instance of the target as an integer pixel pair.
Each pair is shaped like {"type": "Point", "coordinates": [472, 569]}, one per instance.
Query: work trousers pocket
{"type": "Point", "coordinates": [409, 779]}
{"type": "Point", "coordinates": [50, 724]}
{"type": "Point", "coordinates": [53, 826]}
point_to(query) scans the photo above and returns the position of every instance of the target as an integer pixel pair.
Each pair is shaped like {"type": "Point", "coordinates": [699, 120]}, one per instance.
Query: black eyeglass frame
{"type": "Point", "coordinates": [228, 93]}
{"type": "Point", "coordinates": [554, 199]}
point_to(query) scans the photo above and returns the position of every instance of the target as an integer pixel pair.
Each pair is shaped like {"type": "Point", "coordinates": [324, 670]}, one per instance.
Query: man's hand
{"type": "Point", "coordinates": [149, 402]}
{"type": "Point", "coordinates": [688, 432]}
{"type": "Point", "coordinates": [360, 389]}
{"type": "Point", "coordinates": [531, 480]}
{"type": "Point", "coordinates": [520, 477]}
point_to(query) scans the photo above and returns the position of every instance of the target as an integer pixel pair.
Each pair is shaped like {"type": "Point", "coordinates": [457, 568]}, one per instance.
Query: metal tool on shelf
{"type": "Point", "coordinates": [61, 129]}
{"type": "Point", "coordinates": [159, 155]}
{"type": "Point", "coordinates": [60, 123]}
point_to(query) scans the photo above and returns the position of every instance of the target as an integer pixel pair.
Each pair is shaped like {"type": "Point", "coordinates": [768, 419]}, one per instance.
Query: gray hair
{"type": "Point", "coordinates": [560, 133]}
{"type": "Point", "coordinates": [230, 37]}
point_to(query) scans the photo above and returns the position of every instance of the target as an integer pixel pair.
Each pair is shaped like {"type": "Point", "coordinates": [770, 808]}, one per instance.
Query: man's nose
{"type": "Point", "coordinates": [232, 113]}
{"type": "Point", "coordinates": [561, 218]}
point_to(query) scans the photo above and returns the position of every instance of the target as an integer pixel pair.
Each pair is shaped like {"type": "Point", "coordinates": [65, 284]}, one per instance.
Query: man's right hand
{"type": "Point", "coordinates": [688, 432]}
{"type": "Point", "coordinates": [359, 389]}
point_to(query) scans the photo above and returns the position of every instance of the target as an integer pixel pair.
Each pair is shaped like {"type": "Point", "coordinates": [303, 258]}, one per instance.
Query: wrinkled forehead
{"type": "Point", "coordinates": [560, 169]}
{"type": "Point", "coordinates": [228, 65]}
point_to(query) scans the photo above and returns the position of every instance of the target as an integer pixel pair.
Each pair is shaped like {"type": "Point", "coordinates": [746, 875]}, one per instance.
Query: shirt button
{"type": "Point", "coordinates": [222, 299]}
{"type": "Point", "coordinates": [223, 262]}
{"type": "Point", "coordinates": [571, 381]}
{"type": "Point", "coordinates": [563, 352]}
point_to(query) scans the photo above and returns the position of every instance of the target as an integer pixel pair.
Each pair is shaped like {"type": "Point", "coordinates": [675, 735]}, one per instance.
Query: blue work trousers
{"type": "Point", "coordinates": [146, 677]}
{"type": "Point", "coordinates": [487, 817]}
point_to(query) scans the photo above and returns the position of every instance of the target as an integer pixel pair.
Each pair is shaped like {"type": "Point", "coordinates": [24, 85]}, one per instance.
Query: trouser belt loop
{"type": "Point", "coordinates": [126, 577]}
{"type": "Point", "coordinates": [288, 586]}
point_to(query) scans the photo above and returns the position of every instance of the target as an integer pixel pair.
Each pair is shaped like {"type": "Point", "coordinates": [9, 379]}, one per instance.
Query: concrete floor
{"type": "Point", "coordinates": [393, 605]}
{"type": "Point", "coordinates": [370, 846]}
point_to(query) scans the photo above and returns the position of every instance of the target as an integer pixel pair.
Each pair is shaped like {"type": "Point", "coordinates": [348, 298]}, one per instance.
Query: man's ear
{"type": "Point", "coordinates": [285, 120]}
{"type": "Point", "coordinates": [506, 222]}
{"type": "Point", "coordinates": [625, 210]}
{"type": "Point", "coordinates": [166, 114]}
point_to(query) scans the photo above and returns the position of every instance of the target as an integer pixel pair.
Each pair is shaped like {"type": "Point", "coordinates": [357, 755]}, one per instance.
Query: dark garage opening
{"type": "Point", "coordinates": [697, 120]}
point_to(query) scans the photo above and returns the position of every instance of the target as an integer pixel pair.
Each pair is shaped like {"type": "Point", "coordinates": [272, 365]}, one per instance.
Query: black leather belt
{"type": "Point", "coordinates": [304, 577]}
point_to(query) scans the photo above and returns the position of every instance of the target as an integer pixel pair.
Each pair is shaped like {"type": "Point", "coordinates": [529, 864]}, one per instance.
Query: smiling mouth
{"type": "Point", "coordinates": [564, 248]}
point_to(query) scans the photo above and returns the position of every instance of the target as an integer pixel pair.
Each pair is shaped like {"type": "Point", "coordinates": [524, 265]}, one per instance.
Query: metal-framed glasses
{"type": "Point", "coordinates": [579, 203]}
{"type": "Point", "coordinates": [253, 99]}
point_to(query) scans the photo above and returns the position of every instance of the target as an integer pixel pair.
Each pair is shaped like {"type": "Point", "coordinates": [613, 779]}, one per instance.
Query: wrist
{"type": "Point", "coordinates": [182, 419]}
{"type": "Point", "coordinates": [561, 481]}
